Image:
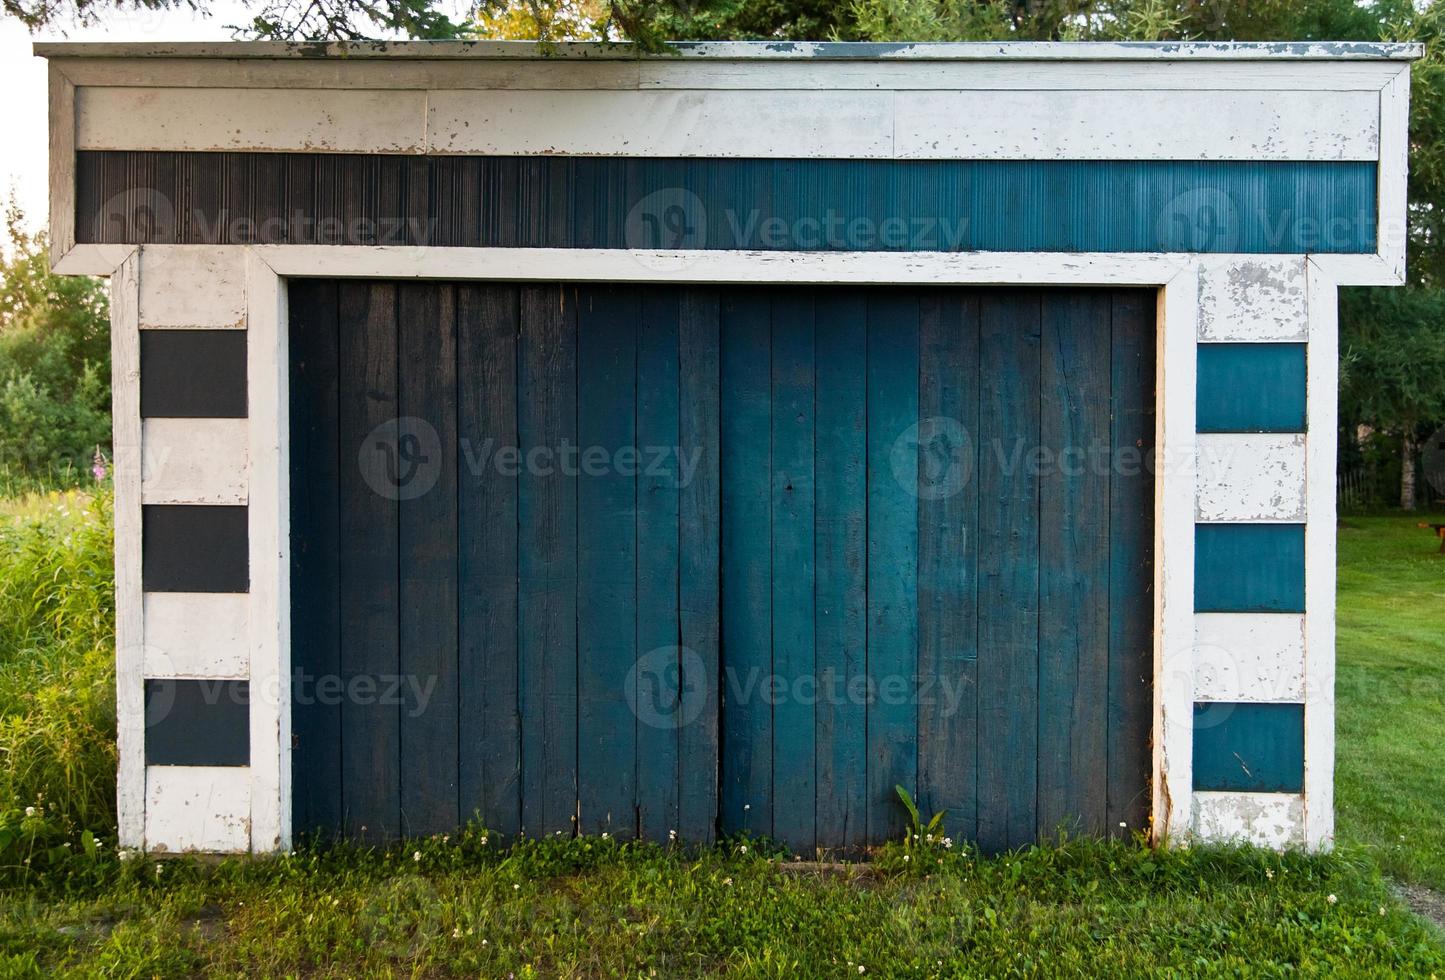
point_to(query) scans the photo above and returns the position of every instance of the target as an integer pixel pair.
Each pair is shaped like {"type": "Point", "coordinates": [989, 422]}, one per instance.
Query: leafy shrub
{"type": "Point", "coordinates": [54, 365]}
{"type": "Point", "coordinates": [57, 670]}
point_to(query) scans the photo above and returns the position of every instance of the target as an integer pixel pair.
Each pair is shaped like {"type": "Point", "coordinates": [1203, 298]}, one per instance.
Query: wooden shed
{"type": "Point", "coordinates": [706, 443]}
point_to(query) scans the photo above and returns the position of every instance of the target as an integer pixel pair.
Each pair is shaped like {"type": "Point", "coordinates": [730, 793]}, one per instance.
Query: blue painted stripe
{"type": "Point", "coordinates": [1257, 748]}
{"type": "Point", "coordinates": [795, 205]}
{"type": "Point", "coordinates": [1250, 388]}
{"type": "Point", "coordinates": [1249, 568]}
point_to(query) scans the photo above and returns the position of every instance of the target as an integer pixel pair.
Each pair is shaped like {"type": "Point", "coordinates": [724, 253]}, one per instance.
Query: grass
{"type": "Point", "coordinates": [474, 905]}
{"type": "Point", "coordinates": [597, 908]}
{"type": "Point", "coordinates": [1390, 784]}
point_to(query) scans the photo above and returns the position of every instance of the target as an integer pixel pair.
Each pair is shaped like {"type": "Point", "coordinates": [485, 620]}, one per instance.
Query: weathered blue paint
{"type": "Point", "coordinates": [1249, 568]}
{"type": "Point", "coordinates": [1257, 748]}
{"type": "Point", "coordinates": [830, 591]}
{"type": "Point", "coordinates": [795, 205]}
{"type": "Point", "coordinates": [1250, 388]}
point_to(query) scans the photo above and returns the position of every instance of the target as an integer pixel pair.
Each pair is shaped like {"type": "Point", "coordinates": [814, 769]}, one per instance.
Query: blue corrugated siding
{"type": "Point", "coordinates": [1249, 568]}
{"type": "Point", "coordinates": [807, 205]}
{"type": "Point", "coordinates": [1250, 388]}
{"type": "Point", "coordinates": [1256, 748]}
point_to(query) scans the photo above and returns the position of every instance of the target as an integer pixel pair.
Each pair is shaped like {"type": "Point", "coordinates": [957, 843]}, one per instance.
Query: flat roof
{"type": "Point", "coordinates": [750, 50]}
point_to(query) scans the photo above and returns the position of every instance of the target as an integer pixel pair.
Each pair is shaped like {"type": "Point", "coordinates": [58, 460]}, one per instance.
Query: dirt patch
{"type": "Point", "coordinates": [1424, 902]}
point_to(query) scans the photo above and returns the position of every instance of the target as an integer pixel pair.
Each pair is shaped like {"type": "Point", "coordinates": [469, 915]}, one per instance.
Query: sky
{"type": "Point", "coordinates": [23, 148]}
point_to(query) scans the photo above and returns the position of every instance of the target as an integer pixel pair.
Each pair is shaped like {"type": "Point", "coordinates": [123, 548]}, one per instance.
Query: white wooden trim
{"type": "Point", "coordinates": [193, 286]}
{"type": "Point", "coordinates": [91, 260]}
{"type": "Point", "coordinates": [821, 268]}
{"type": "Point", "coordinates": [129, 611]}
{"type": "Point", "coordinates": [803, 123]}
{"type": "Point", "coordinates": [1254, 299]}
{"type": "Point", "coordinates": [1137, 125]}
{"type": "Point", "coordinates": [593, 265]}
{"type": "Point", "coordinates": [1254, 477]}
{"type": "Point", "coordinates": [62, 163]}
{"type": "Point", "coordinates": [1271, 820]}
{"type": "Point", "coordinates": [1323, 386]}
{"type": "Point", "coordinates": [197, 808]}
{"type": "Point", "coordinates": [1394, 172]}
{"type": "Point", "coordinates": [1071, 51]}
{"type": "Point", "coordinates": [756, 75]}
{"type": "Point", "coordinates": [270, 547]}
{"type": "Point", "coordinates": [197, 634]}
{"type": "Point", "coordinates": [331, 121]}
{"type": "Point", "coordinates": [1174, 557]}
{"type": "Point", "coordinates": [1255, 657]}
{"type": "Point", "coordinates": [194, 461]}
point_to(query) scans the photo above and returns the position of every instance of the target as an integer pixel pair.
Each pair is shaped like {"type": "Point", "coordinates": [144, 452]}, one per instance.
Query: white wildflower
{"type": "Point", "coordinates": [1331, 899]}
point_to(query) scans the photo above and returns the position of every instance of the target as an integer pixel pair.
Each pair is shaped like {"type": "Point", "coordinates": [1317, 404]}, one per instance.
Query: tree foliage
{"type": "Point", "coordinates": [54, 362]}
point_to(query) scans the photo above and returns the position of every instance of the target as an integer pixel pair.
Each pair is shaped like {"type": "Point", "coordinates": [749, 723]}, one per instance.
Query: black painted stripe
{"type": "Point", "coordinates": [193, 374]}
{"type": "Point", "coordinates": [808, 205]}
{"type": "Point", "coordinates": [197, 723]}
{"type": "Point", "coordinates": [189, 548]}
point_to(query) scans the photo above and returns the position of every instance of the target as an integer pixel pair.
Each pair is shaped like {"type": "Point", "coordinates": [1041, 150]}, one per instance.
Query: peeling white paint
{"type": "Point", "coordinates": [1249, 657]}
{"type": "Point", "coordinates": [197, 808]}
{"type": "Point", "coordinates": [1256, 477]}
{"type": "Point", "coordinates": [1253, 299]}
{"type": "Point", "coordinates": [1274, 820]}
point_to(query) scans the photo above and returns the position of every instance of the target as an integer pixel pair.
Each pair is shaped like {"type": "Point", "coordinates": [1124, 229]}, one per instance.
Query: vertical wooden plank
{"type": "Point", "coordinates": [547, 560]}
{"type": "Point", "coordinates": [658, 674]}
{"type": "Point", "coordinates": [841, 520]}
{"type": "Point", "coordinates": [794, 567]}
{"type": "Point", "coordinates": [130, 791]}
{"type": "Point", "coordinates": [1008, 549]}
{"type": "Point", "coordinates": [947, 559]}
{"type": "Point", "coordinates": [1131, 562]}
{"type": "Point", "coordinates": [1074, 563]}
{"type": "Point", "coordinates": [490, 745]}
{"type": "Point", "coordinates": [747, 743]}
{"type": "Point", "coordinates": [315, 543]}
{"type": "Point", "coordinates": [427, 491]}
{"type": "Point", "coordinates": [370, 731]}
{"type": "Point", "coordinates": [62, 164]}
{"type": "Point", "coordinates": [699, 524]}
{"type": "Point", "coordinates": [607, 323]}
{"type": "Point", "coordinates": [892, 558]}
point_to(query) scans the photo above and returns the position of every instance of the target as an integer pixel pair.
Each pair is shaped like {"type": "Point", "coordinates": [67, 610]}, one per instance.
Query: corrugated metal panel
{"type": "Point", "coordinates": [807, 205]}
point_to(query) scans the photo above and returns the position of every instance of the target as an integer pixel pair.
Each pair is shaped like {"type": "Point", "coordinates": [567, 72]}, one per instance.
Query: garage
{"type": "Point", "coordinates": [665, 560]}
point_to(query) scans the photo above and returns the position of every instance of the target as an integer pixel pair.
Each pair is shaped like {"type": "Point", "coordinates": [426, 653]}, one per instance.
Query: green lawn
{"type": "Point", "coordinates": [472, 907]}
{"type": "Point", "coordinates": [1390, 789]}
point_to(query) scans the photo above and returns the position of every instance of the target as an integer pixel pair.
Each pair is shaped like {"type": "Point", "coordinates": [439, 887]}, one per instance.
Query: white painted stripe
{"type": "Point", "coordinates": [192, 286]}
{"type": "Point", "coordinates": [197, 808]}
{"type": "Point", "coordinates": [1138, 125]}
{"type": "Point", "coordinates": [1253, 477]}
{"type": "Point", "coordinates": [194, 461]}
{"type": "Point", "coordinates": [62, 162]}
{"type": "Point", "coordinates": [269, 517]}
{"type": "Point", "coordinates": [1249, 657]}
{"type": "Point", "coordinates": [677, 73]}
{"type": "Point", "coordinates": [332, 121]}
{"type": "Point", "coordinates": [1323, 382]}
{"type": "Point", "coordinates": [1265, 819]}
{"type": "Point", "coordinates": [129, 613]}
{"type": "Point", "coordinates": [200, 634]}
{"type": "Point", "coordinates": [1252, 299]}
{"type": "Point", "coordinates": [841, 125]}
{"type": "Point", "coordinates": [819, 268]}
{"type": "Point", "coordinates": [1174, 558]}
{"type": "Point", "coordinates": [991, 124]}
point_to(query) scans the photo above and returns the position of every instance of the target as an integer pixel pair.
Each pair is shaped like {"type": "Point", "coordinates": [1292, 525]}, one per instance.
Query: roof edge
{"type": "Point", "coordinates": [751, 50]}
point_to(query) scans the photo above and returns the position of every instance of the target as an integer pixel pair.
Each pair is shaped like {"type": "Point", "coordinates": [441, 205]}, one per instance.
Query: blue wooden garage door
{"type": "Point", "coordinates": [712, 560]}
